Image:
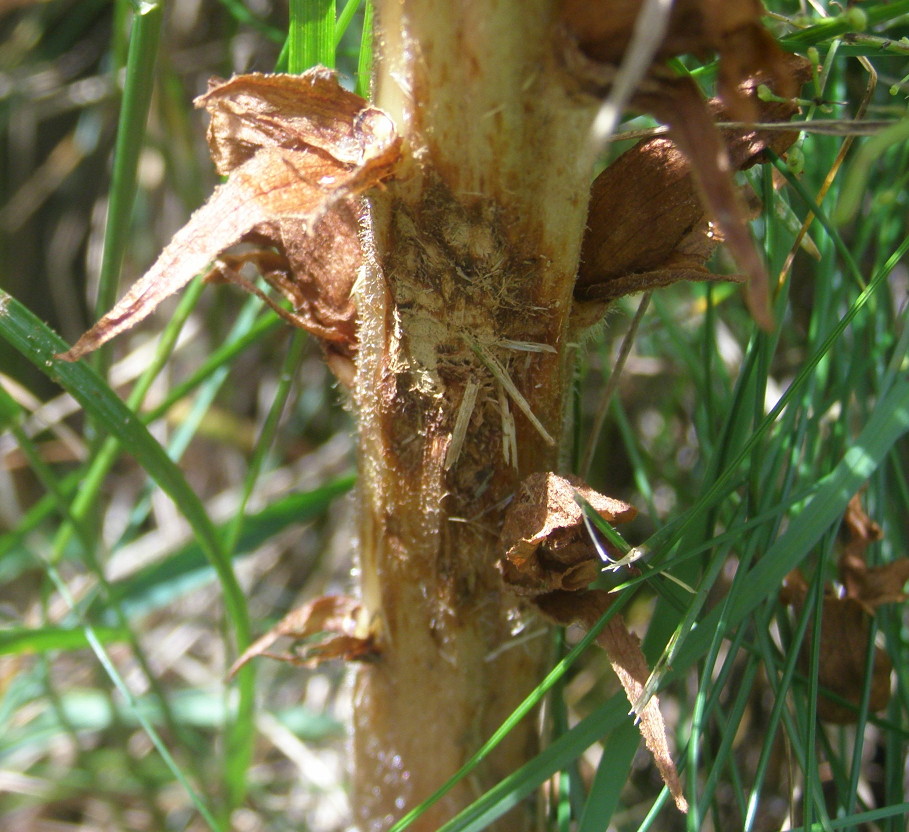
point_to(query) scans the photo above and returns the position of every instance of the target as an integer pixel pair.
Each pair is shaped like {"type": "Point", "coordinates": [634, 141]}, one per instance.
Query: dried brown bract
{"type": "Point", "coordinates": [647, 221]}
{"type": "Point", "coordinates": [297, 152]}
{"type": "Point", "coordinates": [549, 555]}
{"type": "Point", "coordinates": [627, 659]}
{"type": "Point", "coordinates": [730, 28]}
{"type": "Point", "coordinates": [545, 541]}
{"type": "Point", "coordinates": [330, 627]}
{"type": "Point", "coordinates": [846, 623]}
{"type": "Point", "coordinates": [683, 197]}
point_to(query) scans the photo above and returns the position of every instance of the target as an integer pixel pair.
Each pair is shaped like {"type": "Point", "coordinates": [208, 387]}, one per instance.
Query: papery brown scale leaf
{"type": "Point", "coordinates": [544, 538]}
{"type": "Point", "coordinates": [312, 110]}
{"type": "Point", "coordinates": [647, 222]}
{"type": "Point", "coordinates": [661, 233]}
{"type": "Point", "coordinates": [731, 28]}
{"type": "Point", "coordinates": [843, 657]}
{"type": "Point", "coordinates": [603, 27]}
{"type": "Point", "coordinates": [845, 629]}
{"type": "Point", "coordinates": [230, 212]}
{"type": "Point", "coordinates": [628, 661]}
{"type": "Point", "coordinates": [683, 200]}
{"type": "Point", "coordinates": [271, 183]}
{"type": "Point", "coordinates": [747, 147]}
{"type": "Point", "coordinates": [549, 555]}
{"type": "Point", "coordinates": [314, 270]}
{"type": "Point", "coordinates": [858, 527]}
{"type": "Point", "coordinates": [340, 618]}
{"type": "Point", "coordinates": [870, 586]}
{"type": "Point", "coordinates": [304, 169]}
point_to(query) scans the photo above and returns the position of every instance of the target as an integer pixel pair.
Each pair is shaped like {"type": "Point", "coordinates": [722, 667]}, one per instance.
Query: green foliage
{"type": "Point", "coordinates": [123, 532]}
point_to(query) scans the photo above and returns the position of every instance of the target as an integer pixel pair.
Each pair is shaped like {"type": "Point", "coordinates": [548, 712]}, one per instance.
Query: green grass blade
{"type": "Point", "coordinates": [98, 648]}
{"type": "Point", "coordinates": [18, 640]}
{"type": "Point", "coordinates": [513, 789]}
{"type": "Point", "coordinates": [835, 26]}
{"type": "Point", "coordinates": [137, 92]}
{"type": "Point", "coordinates": [364, 60]}
{"type": "Point", "coordinates": [351, 7]}
{"type": "Point", "coordinates": [187, 569]}
{"type": "Point", "coordinates": [860, 820]}
{"type": "Point", "coordinates": [38, 344]}
{"type": "Point", "coordinates": [289, 372]}
{"type": "Point", "coordinates": [888, 422]}
{"type": "Point", "coordinates": [312, 34]}
{"type": "Point", "coordinates": [612, 772]}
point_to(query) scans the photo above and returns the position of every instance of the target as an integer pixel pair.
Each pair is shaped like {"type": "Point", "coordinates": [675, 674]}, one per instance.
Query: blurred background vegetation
{"type": "Point", "coordinates": [115, 713]}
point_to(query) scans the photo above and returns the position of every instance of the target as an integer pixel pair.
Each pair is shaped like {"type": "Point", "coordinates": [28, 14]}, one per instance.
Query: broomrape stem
{"type": "Point", "coordinates": [478, 233]}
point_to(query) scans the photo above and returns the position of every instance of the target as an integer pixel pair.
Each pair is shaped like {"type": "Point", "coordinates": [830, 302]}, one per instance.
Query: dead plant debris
{"type": "Point", "coordinates": [846, 623]}
{"type": "Point", "coordinates": [297, 152]}
{"type": "Point", "coordinates": [330, 627]}
{"type": "Point", "coordinates": [683, 195]}
{"type": "Point", "coordinates": [548, 555]}
{"type": "Point", "coordinates": [659, 231]}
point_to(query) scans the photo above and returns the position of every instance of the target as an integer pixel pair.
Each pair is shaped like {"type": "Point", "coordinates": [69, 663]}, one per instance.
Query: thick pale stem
{"type": "Point", "coordinates": [460, 386]}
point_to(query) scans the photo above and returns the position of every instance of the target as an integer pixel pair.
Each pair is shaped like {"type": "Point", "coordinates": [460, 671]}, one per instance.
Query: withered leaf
{"type": "Point", "coordinates": [296, 149]}
{"type": "Point", "coordinates": [870, 586]}
{"type": "Point", "coordinates": [314, 271]}
{"type": "Point", "coordinates": [846, 623]}
{"type": "Point", "coordinates": [661, 234]}
{"type": "Point", "coordinates": [545, 542]}
{"type": "Point", "coordinates": [657, 213]}
{"type": "Point", "coordinates": [309, 111]}
{"type": "Point", "coordinates": [548, 554]}
{"type": "Point", "coordinates": [628, 661]}
{"type": "Point", "coordinates": [845, 629]}
{"type": "Point", "coordinates": [665, 235]}
{"type": "Point", "coordinates": [731, 28]}
{"type": "Point", "coordinates": [341, 621]}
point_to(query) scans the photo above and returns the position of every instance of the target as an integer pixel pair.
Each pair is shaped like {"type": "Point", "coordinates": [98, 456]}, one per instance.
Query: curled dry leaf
{"type": "Point", "coordinates": [730, 28]}
{"type": "Point", "coordinates": [548, 554]}
{"type": "Point", "coordinates": [340, 621]}
{"type": "Point", "coordinates": [843, 653]}
{"type": "Point", "coordinates": [870, 586]}
{"type": "Point", "coordinates": [846, 623]}
{"type": "Point", "coordinates": [676, 235]}
{"type": "Point", "coordinates": [545, 541]}
{"type": "Point", "coordinates": [297, 151]}
{"type": "Point", "coordinates": [657, 213]}
{"type": "Point", "coordinates": [664, 237]}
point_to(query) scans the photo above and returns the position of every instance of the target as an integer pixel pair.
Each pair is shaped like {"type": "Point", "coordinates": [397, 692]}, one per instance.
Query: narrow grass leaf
{"type": "Point", "coordinates": [888, 422]}
{"type": "Point", "coordinates": [188, 568]}
{"type": "Point", "coordinates": [137, 93]}
{"type": "Point", "coordinates": [20, 640]}
{"type": "Point", "coordinates": [312, 34]}
{"type": "Point", "coordinates": [38, 344]}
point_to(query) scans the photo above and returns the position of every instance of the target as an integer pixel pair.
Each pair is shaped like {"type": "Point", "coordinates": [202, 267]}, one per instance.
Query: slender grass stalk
{"type": "Point", "coordinates": [137, 91]}
{"type": "Point", "coordinates": [123, 688]}
{"type": "Point", "coordinates": [364, 61]}
{"type": "Point", "coordinates": [39, 345]}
